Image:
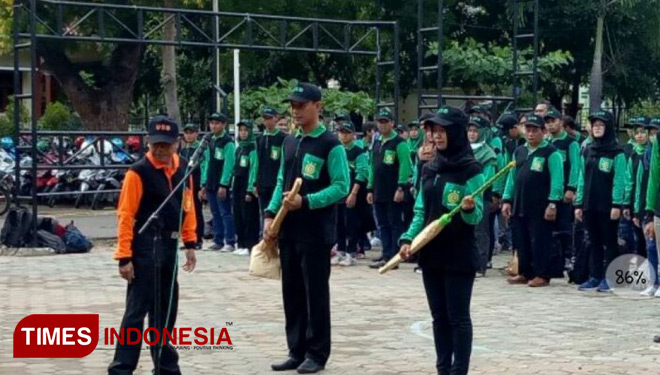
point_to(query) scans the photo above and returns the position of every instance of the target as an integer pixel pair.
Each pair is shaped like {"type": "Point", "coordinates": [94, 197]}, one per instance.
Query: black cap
{"type": "Point", "coordinates": [218, 117]}
{"type": "Point", "coordinates": [552, 114]}
{"type": "Point", "coordinates": [479, 122]}
{"type": "Point", "coordinates": [478, 109]}
{"type": "Point", "coordinates": [244, 122]}
{"type": "Point", "coordinates": [654, 123]}
{"type": "Point", "coordinates": [403, 128]}
{"type": "Point", "coordinates": [425, 117]}
{"type": "Point", "coordinates": [342, 117]}
{"type": "Point", "coordinates": [414, 124]}
{"type": "Point", "coordinates": [534, 120]}
{"type": "Point", "coordinates": [162, 129]}
{"type": "Point", "coordinates": [385, 114]}
{"type": "Point", "coordinates": [507, 121]}
{"type": "Point", "coordinates": [268, 112]}
{"type": "Point", "coordinates": [190, 126]}
{"type": "Point", "coordinates": [448, 115]}
{"type": "Point", "coordinates": [639, 121]}
{"type": "Point", "coordinates": [304, 92]}
{"type": "Point", "coordinates": [603, 115]}
{"type": "Point", "coordinates": [346, 126]}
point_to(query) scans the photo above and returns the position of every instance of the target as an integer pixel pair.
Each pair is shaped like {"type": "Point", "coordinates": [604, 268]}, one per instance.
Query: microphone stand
{"type": "Point", "coordinates": [156, 225]}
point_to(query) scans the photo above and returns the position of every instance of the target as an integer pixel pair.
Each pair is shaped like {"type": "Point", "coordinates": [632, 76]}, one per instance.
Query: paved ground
{"type": "Point", "coordinates": [381, 324]}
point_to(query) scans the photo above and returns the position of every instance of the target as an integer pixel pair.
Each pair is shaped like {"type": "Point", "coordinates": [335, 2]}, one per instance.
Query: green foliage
{"type": "Point", "coordinates": [254, 100]}
{"type": "Point", "coordinates": [56, 117]}
{"type": "Point", "coordinates": [473, 66]}
{"type": "Point", "coordinates": [6, 126]}
{"type": "Point", "coordinates": [24, 113]}
{"type": "Point", "coordinates": [650, 108]}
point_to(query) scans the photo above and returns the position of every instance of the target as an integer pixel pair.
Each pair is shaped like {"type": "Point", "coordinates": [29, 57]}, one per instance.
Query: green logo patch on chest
{"type": "Point", "coordinates": [244, 161]}
{"type": "Point", "coordinates": [219, 153]}
{"type": "Point", "coordinates": [389, 157]}
{"type": "Point", "coordinates": [605, 164]}
{"type": "Point", "coordinates": [452, 195]}
{"type": "Point", "coordinates": [275, 152]}
{"type": "Point", "coordinates": [311, 166]}
{"type": "Point", "coordinates": [537, 164]}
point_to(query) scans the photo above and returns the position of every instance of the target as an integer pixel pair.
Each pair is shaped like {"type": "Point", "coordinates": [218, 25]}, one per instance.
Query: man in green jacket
{"type": "Point", "coordinates": [308, 232]}
{"type": "Point", "coordinates": [217, 168]}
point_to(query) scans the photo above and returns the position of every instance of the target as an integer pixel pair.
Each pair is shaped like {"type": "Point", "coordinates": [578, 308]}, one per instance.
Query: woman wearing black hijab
{"type": "Point", "coordinates": [600, 197]}
{"type": "Point", "coordinates": [449, 262]}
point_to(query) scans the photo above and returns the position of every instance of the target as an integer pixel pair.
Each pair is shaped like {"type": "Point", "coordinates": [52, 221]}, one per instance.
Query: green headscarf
{"type": "Point", "coordinates": [415, 143]}
{"type": "Point", "coordinates": [250, 138]}
{"type": "Point", "coordinates": [482, 151]}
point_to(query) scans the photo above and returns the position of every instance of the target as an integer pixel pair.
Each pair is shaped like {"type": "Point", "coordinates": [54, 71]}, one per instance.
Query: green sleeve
{"type": "Point", "coordinates": [574, 159]}
{"type": "Point", "coordinates": [474, 217]}
{"type": "Point", "coordinates": [228, 168]}
{"type": "Point", "coordinates": [654, 179]}
{"type": "Point", "coordinates": [415, 175]}
{"type": "Point", "coordinates": [417, 223]}
{"type": "Point", "coordinates": [618, 192]}
{"type": "Point", "coordinates": [556, 165]}
{"type": "Point", "coordinates": [639, 177]}
{"type": "Point", "coordinates": [488, 172]}
{"type": "Point", "coordinates": [510, 185]}
{"type": "Point", "coordinates": [254, 167]}
{"type": "Point", "coordinates": [496, 144]}
{"type": "Point", "coordinates": [361, 168]}
{"type": "Point", "coordinates": [276, 200]}
{"type": "Point", "coordinates": [370, 183]}
{"type": "Point", "coordinates": [580, 185]}
{"type": "Point", "coordinates": [339, 180]}
{"type": "Point", "coordinates": [405, 169]}
{"type": "Point", "coordinates": [204, 165]}
{"type": "Point", "coordinates": [628, 188]}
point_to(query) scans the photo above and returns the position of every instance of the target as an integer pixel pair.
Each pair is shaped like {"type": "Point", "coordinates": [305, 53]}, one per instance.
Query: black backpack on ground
{"type": "Point", "coordinates": [50, 240]}
{"type": "Point", "coordinates": [17, 230]}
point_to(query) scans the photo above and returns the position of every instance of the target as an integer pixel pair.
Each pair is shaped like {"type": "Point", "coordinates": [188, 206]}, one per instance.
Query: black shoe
{"type": "Point", "coordinates": [310, 367]}
{"type": "Point", "coordinates": [289, 364]}
{"type": "Point", "coordinates": [656, 339]}
{"type": "Point", "coordinates": [377, 259]}
{"type": "Point", "coordinates": [377, 264]}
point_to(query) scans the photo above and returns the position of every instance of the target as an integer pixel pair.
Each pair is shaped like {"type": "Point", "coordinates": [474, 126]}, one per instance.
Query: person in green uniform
{"type": "Point", "coordinates": [508, 122]}
{"type": "Point", "coordinates": [477, 129]}
{"type": "Point", "coordinates": [190, 144]}
{"type": "Point", "coordinates": [308, 232]}
{"type": "Point", "coordinates": [246, 204]}
{"type": "Point", "coordinates": [269, 150]}
{"type": "Point", "coordinates": [640, 125]}
{"type": "Point", "coordinates": [570, 153]}
{"type": "Point", "coordinates": [415, 140]}
{"type": "Point", "coordinates": [600, 197]}
{"type": "Point", "coordinates": [353, 214]}
{"type": "Point", "coordinates": [534, 187]}
{"type": "Point", "coordinates": [217, 170]}
{"type": "Point", "coordinates": [652, 203]}
{"type": "Point", "coordinates": [450, 260]}
{"type": "Point", "coordinates": [573, 129]}
{"type": "Point", "coordinates": [389, 175]}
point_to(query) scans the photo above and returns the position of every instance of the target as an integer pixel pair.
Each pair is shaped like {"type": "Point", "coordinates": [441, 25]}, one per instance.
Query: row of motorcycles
{"type": "Point", "coordinates": [96, 187]}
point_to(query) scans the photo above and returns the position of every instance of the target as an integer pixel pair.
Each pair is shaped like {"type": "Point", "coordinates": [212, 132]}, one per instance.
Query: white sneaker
{"type": "Point", "coordinates": [336, 259]}
{"type": "Point", "coordinates": [227, 249]}
{"type": "Point", "coordinates": [649, 292]}
{"type": "Point", "coordinates": [657, 293]}
{"type": "Point", "coordinates": [242, 252]}
{"type": "Point", "coordinates": [375, 242]}
{"type": "Point", "coordinates": [347, 261]}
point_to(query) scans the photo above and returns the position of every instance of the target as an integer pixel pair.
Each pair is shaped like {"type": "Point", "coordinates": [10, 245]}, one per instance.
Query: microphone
{"type": "Point", "coordinates": [194, 160]}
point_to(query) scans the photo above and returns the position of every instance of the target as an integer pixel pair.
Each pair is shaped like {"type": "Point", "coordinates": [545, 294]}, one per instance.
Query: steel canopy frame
{"type": "Point", "coordinates": [99, 23]}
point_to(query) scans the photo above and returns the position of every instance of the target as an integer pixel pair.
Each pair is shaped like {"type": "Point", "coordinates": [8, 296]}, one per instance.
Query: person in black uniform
{"type": "Point", "coordinates": [190, 144]}
{"type": "Point", "coordinates": [308, 232]}
{"type": "Point", "coordinates": [146, 185]}
{"type": "Point", "coordinates": [450, 260]}
{"type": "Point", "coordinates": [269, 150]}
{"type": "Point", "coordinates": [534, 187]}
{"type": "Point", "coordinates": [246, 207]}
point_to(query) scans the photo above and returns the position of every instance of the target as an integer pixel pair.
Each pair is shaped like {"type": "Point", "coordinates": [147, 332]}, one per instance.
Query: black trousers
{"type": "Point", "coordinates": [140, 303]}
{"type": "Point", "coordinates": [564, 228]}
{"type": "Point", "coordinates": [389, 217]}
{"type": "Point", "coordinates": [491, 234]}
{"type": "Point", "coordinates": [603, 234]}
{"type": "Point", "coordinates": [199, 214]}
{"type": "Point", "coordinates": [449, 295]}
{"type": "Point", "coordinates": [265, 195]}
{"type": "Point", "coordinates": [246, 218]}
{"type": "Point", "coordinates": [482, 235]}
{"type": "Point", "coordinates": [306, 294]}
{"type": "Point", "coordinates": [341, 227]}
{"type": "Point", "coordinates": [534, 241]}
{"type": "Point", "coordinates": [640, 241]}
{"type": "Point", "coordinates": [349, 227]}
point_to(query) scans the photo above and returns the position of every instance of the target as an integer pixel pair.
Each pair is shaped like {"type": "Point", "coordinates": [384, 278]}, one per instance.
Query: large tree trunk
{"type": "Point", "coordinates": [575, 95]}
{"type": "Point", "coordinates": [168, 77]}
{"type": "Point", "coordinates": [105, 107]}
{"type": "Point", "coordinates": [596, 79]}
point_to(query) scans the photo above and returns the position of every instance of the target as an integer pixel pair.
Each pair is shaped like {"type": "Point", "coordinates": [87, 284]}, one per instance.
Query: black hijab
{"type": "Point", "coordinates": [607, 145]}
{"type": "Point", "coordinates": [458, 155]}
